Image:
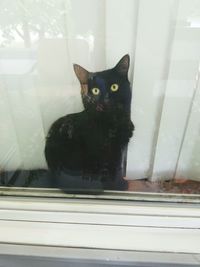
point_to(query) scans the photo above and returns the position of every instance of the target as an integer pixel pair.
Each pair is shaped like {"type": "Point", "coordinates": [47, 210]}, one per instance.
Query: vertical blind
{"type": "Point", "coordinates": [37, 83]}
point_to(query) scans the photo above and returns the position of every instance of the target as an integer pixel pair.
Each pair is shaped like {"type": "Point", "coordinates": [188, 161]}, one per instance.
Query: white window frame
{"type": "Point", "coordinates": [138, 222]}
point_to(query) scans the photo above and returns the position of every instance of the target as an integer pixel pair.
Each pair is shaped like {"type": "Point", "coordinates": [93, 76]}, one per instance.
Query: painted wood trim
{"type": "Point", "coordinates": [98, 224]}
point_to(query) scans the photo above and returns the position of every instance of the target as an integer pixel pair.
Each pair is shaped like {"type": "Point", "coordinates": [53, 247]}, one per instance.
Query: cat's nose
{"type": "Point", "coordinates": [106, 99]}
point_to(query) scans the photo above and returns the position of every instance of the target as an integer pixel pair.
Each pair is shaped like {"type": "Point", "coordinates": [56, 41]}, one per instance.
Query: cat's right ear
{"type": "Point", "coordinates": [81, 73]}
{"type": "Point", "coordinates": [123, 65]}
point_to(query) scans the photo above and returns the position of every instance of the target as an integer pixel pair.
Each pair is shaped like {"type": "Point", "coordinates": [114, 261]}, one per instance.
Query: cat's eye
{"type": "Point", "coordinates": [95, 91]}
{"type": "Point", "coordinates": [114, 87]}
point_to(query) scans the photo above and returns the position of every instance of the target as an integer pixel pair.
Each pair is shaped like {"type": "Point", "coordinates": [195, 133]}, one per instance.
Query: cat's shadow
{"type": "Point", "coordinates": [69, 184]}
{"type": "Point", "coordinates": [78, 185]}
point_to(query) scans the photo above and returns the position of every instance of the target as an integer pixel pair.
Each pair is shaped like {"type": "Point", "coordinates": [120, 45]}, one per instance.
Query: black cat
{"type": "Point", "coordinates": [91, 143]}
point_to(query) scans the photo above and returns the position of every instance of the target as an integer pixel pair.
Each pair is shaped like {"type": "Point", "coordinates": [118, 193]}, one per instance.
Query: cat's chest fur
{"type": "Point", "coordinates": [97, 142]}
{"type": "Point", "coordinates": [96, 134]}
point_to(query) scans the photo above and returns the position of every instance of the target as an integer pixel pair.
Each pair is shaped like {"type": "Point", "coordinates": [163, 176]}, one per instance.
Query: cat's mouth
{"type": "Point", "coordinates": [100, 107]}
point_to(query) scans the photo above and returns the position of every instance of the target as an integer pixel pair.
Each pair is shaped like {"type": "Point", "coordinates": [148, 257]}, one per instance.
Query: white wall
{"type": "Point", "coordinates": [163, 40]}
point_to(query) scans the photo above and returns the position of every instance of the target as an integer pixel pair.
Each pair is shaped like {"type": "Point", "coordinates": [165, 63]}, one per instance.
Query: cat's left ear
{"type": "Point", "coordinates": [123, 65]}
{"type": "Point", "coordinates": [81, 73]}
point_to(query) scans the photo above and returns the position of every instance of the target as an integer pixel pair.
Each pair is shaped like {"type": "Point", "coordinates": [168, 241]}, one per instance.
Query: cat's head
{"type": "Point", "coordinates": [105, 90]}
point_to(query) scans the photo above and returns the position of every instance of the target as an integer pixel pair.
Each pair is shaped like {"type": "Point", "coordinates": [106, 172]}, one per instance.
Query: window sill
{"type": "Point", "coordinates": [99, 224]}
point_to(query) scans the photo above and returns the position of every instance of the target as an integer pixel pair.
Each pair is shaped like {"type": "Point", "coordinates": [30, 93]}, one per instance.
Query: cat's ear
{"type": "Point", "coordinates": [123, 65]}
{"type": "Point", "coordinates": [81, 73]}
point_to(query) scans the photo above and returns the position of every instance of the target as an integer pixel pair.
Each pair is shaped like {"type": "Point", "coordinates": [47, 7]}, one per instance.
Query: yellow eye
{"type": "Point", "coordinates": [114, 87]}
{"type": "Point", "coordinates": [95, 91]}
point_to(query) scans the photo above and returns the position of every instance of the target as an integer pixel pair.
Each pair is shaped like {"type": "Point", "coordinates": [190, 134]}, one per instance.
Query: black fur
{"type": "Point", "coordinates": [91, 143]}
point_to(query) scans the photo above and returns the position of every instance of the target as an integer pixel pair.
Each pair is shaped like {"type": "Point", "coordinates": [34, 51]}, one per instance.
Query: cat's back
{"type": "Point", "coordinates": [65, 126]}
{"type": "Point", "coordinates": [63, 142]}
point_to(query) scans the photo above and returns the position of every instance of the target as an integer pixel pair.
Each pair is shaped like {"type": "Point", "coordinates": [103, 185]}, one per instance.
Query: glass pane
{"type": "Point", "coordinates": [100, 95]}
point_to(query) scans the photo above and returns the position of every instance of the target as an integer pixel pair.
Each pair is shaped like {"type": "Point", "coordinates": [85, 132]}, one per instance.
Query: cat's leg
{"type": "Point", "coordinates": [114, 179]}
{"type": "Point", "coordinates": [120, 184]}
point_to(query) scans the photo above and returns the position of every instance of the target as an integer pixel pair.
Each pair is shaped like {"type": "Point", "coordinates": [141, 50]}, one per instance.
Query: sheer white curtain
{"type": "Point", "coordinates": [165, 91]}
{"type": "Point", "coordinates": [39, 42]}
